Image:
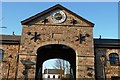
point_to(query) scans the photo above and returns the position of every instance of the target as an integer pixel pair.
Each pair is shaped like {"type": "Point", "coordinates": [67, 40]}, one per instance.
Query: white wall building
{"type": "Point", "coordinates": [50, 74]}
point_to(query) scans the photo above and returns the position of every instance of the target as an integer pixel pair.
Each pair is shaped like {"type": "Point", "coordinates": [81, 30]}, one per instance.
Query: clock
{"type": "Point", "coordinates": [58, 17]}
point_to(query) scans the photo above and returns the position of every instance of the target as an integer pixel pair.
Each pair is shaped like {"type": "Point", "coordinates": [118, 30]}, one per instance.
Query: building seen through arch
{"type": "Point", "coordinates": [57, 67]}
{"type": "Point", "coordinates": [55, 51]}
{"type": "Point", "coordinates": [59, 33]}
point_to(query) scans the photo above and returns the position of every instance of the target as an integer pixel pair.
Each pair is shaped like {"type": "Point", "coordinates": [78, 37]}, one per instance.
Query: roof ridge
{"type": "Point", "coordinates": [8, 35]}
{"type": "Point", "coordinates": [50, 9]}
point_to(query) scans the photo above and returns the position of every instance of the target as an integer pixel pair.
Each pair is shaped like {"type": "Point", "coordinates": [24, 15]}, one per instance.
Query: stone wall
{"type": "Point", "coordinates": [9, 57]}
{"type": "Point", "coordinates": [61, 35]}
{"type": "Point", "coordinates": [21, 59]}
{"type": "Point", "coordinates": [64, 33]}
{"type": "Point", "coordinates": [36, 34]}
{"type": "Point", "coordinates": [109, 69]}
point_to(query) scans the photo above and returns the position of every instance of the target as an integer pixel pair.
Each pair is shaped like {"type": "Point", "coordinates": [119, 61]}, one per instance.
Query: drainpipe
{"type": "Point", "coordinates": [8, 71]}
{"type": "Point", "coordinates": [17, 56]}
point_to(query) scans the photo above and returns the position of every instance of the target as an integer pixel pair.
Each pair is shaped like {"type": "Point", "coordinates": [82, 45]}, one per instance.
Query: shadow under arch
{"type": "Point", "coordinates": [52, 51]}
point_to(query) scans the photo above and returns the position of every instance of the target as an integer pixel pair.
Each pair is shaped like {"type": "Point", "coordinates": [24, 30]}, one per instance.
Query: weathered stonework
{"type": "Point", "coordinates": [109, 69]}
{"type": "Point", "coordinates": [64, 33]}
{"type": "Point", "coordinates": [10, 57]}
{"type": "Point", "coordinates": [21, 59]}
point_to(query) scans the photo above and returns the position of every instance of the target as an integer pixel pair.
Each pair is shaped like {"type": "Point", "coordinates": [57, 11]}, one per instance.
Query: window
{"type": "Point", "coordinates": [58, 77]}
{"type": "Point", "coordinates": [1, 55]}
{"type": "Point", "coordinates": [48, 76]}
{"type": "Point", "coordinates": [114, 59]}
{"type": "Point", "coordinates": [115, 78]}
{"type": "Point", "coordinates": [53, 76]}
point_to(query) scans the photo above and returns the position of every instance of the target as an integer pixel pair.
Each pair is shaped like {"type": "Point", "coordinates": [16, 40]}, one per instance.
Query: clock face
{"type": "Point", "coordinates": [58, 17]}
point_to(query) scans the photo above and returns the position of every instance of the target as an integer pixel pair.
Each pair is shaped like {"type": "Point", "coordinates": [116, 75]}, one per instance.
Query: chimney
{"type": "Point", "coordinates": [13, 33]}
{"type": "Point", "coordinates": [100, 37]}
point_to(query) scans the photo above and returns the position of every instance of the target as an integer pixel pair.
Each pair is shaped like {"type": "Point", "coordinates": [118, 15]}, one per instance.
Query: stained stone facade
{"type": "Point", "coordinates": [110, 70]}
{"type": "Point", "coordinates": [10, 48]}
{"type": "Point", "coordinates": [20, 53]}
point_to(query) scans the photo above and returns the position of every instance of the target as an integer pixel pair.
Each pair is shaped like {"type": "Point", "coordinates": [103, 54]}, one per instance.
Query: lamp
{"type": "Point", "coordinates": [102, 58]}
{"type": "Point", "coordinates": [28, 64]}
{"type": "Point", "coordinates": [9, 61]}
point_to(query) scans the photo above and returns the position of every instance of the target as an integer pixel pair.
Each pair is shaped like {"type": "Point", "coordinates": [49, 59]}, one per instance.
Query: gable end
{"type": "Point", "coordinates": [58, 6]}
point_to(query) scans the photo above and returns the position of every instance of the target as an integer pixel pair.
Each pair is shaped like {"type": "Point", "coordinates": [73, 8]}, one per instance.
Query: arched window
{"type": "Point", "coordinates": [1, 55]}
{"type": "Point", "coordinates": [114, 59]}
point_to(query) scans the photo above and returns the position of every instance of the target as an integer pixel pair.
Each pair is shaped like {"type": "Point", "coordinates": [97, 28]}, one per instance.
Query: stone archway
{"type": "Point", "coordinates": [51, 51]}
{"type": "Point", "coordinates": [40, 31]}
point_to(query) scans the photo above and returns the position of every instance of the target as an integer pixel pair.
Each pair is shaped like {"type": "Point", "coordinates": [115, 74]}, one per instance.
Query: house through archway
{"type": "Point", "coordinates": [55, 51]}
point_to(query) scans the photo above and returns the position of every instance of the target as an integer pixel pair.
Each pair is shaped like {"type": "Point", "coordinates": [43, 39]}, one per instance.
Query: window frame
{"type": "Point", "coordinates": [114, 59]}
{"type": "Point", "coordinates": [48, 76]}
{"type": "Point", "coordinates": [53, 76]}
{"type": "Point", "coordinates": [2, 57]}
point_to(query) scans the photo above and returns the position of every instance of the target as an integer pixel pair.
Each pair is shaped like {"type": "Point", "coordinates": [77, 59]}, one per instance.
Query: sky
{"type": "Point", "coordinates": [51, 63]}
{"type": "Point", "coordinates": [60, 0]}
{"type": "Point", "coordinates": [103, 14]}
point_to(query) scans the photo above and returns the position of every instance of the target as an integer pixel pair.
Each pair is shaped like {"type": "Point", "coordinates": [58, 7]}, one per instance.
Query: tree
{"type": "Point", "coordinates": [62, 64]}
{"type": "Point", "coordinates": [59, 64]}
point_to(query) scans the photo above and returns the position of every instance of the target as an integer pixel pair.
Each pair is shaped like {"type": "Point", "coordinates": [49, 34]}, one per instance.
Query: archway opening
{"type": "Point", "coordinates": [59, 68]}
{"type": "Point", "coordinates": [53, 51]}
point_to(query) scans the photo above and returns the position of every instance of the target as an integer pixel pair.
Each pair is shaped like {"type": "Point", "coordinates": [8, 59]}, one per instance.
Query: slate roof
{"type": "Point", "coordinates": [110, 43]}
{"type": "Point", "coordinates": [24, 22]}
{"type": "Point", "coordinates": [10, 39]}
{"type": "Point", "coordinates": [53, 71]}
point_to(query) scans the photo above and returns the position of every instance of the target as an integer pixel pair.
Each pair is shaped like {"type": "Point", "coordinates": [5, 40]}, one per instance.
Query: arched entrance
{"type": "Point", "coordinates": [52, 51]}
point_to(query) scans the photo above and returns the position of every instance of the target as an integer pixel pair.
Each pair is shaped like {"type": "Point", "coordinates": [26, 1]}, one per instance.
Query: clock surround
{"type": "Point", "coordinates": [58, 16]}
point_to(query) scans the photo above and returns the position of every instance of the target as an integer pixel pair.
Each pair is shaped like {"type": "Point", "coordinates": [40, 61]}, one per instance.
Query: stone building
{"type": "Point", "coordinates": [59, 33]}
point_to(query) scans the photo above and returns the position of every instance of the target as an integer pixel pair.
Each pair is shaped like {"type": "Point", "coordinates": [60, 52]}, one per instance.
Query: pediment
{"type": "Point", "coordinates": [57, 15]}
